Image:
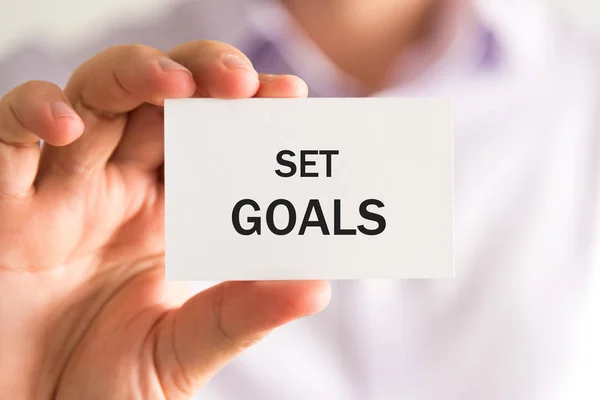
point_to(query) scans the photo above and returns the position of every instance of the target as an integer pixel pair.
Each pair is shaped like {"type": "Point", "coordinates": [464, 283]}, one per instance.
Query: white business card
{"type": "Point", "coordinates": [308, 189]}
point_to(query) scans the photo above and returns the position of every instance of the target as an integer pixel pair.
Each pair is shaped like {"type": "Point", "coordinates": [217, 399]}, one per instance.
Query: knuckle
{"type": "Point", "coordinates": [15, 193]}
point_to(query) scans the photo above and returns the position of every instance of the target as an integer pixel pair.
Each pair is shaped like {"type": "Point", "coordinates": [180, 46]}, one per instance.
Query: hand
{"type": "Point", "coordinates": [85, 312]}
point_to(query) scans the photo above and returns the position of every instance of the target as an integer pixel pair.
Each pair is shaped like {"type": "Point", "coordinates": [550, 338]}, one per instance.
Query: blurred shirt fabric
{"type": "Point", "coordinates": [520, 321]}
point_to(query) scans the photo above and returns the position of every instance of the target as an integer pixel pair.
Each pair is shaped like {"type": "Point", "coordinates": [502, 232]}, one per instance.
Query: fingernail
{"type": "Point", "coordinates": [61, 109]}
{"type": "Point", "coordinates": [168, 65]}
{"type": "Point", "coordinates": [234, 61]}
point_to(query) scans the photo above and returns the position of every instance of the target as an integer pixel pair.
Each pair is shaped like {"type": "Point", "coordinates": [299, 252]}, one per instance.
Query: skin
{"type": "Point", "coordinates": [85, 312]}
{"type": "Point", "coordinates": [363, 38]}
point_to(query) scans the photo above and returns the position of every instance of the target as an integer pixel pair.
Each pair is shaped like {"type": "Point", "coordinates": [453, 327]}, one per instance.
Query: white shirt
{"type": "Point", "coordinates": [520, 321]}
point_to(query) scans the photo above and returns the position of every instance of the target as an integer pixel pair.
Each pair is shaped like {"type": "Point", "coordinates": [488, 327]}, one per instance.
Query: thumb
{"type": "Point", "coordinates": [194, 341]}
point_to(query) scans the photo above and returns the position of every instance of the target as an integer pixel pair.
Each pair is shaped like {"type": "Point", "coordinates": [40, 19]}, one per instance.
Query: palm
{"type": "Point", "coordinates": [107, 237]}
{"type": "Point", "coordinates": [124, 246]}
{"type": "Point", "coordinates": [82, 236]}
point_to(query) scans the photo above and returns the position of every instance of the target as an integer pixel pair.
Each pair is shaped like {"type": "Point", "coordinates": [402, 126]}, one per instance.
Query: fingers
{"type": "Point", "coordinates": [282, 86]}
{"type": "Point", "coordinates": [220, 70]}
{"type": "Point", "coordinates": [193, 342]}
{"type": "Point", "coordinates": [30, 112]}
{"type": "Point", "coordinates": [143, 142]}
{"type": "Point", "coordinates": [102, 90]}
{"type": "Point", "coordinates": [119, 80]}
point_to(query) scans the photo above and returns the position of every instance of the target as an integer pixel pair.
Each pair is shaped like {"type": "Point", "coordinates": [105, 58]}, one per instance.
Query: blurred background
{"type": "Point", "coordinates": [61, 22]}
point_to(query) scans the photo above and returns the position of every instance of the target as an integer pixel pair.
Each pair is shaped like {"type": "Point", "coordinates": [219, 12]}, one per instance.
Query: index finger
{"type": "Point", "coordinates": [121, 78]}
{"type": "Point", "coordinates": [102, 91]}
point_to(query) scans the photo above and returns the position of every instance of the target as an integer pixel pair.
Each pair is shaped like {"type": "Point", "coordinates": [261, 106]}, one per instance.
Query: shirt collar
{"type": "Point", "coordinates": [271, 22]}
{"type": "Point", "coordinates": [467, 36]}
